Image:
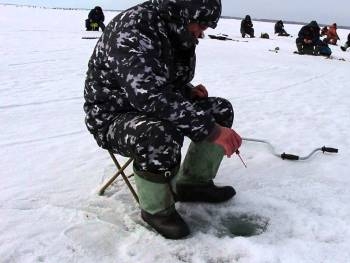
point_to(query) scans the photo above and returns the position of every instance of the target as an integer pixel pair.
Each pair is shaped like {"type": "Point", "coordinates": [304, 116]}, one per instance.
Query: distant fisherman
{"type": "Point", "coordinates": [308, 41]}
{"type": "Point", "coordinates": [247, 27]}
{"type": "Point", "coordinates": [279, 29]}
{"type": "Point", "coordinates": [95, 19]}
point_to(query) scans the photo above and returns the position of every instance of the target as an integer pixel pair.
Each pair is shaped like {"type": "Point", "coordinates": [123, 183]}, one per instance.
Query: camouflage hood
{"type": "Point", "coordinates": [179, 13]}
{"type": "Point", "coordinates": [206, 12]}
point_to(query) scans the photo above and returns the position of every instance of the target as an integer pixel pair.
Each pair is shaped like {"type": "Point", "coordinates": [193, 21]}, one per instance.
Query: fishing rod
{"type": "Point", "coordinates": [289, 156]}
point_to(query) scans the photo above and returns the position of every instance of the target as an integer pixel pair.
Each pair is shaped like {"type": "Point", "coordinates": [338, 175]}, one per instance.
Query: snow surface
{"type": "Point", "coordinates": [51, 167]}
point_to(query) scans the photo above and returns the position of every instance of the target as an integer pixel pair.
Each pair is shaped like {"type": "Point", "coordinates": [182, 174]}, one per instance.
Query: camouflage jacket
{"type": "Point", "coordinates": [144, 63]}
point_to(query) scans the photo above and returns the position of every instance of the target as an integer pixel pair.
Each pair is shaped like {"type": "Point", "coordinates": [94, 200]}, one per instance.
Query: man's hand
{"type": "Point", "coordinates": [199, 92]}
{"type": "Point", "coordinates": [227, 138]}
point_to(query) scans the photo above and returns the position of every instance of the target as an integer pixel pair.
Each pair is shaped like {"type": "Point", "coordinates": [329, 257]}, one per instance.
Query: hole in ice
{"type": "Point", "coordinates": [242, 225]}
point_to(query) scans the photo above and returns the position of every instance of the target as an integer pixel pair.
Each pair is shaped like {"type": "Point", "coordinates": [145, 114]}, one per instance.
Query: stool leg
{"type": "Point", "coordinates": [120, 171]}
{"type": "Point", "coordinates": [112, 179]}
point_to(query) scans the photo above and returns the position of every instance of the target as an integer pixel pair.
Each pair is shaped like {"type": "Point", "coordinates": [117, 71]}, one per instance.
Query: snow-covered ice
{"type": "Point", "coordinates": [51, 168]}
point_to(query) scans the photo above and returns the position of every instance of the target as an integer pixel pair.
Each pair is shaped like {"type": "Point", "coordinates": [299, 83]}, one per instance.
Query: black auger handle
{"type": "Point", "coordinates": [289, 156]}
{"type": "Point", "coordinates": [329, 149]}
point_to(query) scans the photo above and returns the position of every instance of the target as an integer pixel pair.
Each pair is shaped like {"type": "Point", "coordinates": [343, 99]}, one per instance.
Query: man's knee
{"type": "Point", "coordinates": [158, 149]}
{"type": "Point", "coordinates": [225, 109]}
{"type": "Point", "coordinates": [162, 132]}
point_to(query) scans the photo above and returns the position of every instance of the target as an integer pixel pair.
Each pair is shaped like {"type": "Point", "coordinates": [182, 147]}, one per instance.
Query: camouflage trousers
{"type": "Point", "coordinates": [156, 144]}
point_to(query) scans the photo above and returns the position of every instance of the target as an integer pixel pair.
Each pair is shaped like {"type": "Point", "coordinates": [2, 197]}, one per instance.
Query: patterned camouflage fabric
{"type": "Point", "coordinates": [140, 71]}
{"type": "Point", "coordinates": [156, 144]}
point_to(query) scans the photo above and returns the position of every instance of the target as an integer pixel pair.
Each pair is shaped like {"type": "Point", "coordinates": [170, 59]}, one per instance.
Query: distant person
{"type": "Point", "coordinates": [247, 27]}
{"type": "Point", "coordinates": [264, 35]}
{"type": "Point", "coordinates": [347, 44]}
{"type": "Point", "coordinates": [95, 20]}
{"type": "Point", "coordinates": [279, 29]}
{"type": "Point", "coordinates": [308, 41]}
{"type": "Point", "coordinates": [332, 35]}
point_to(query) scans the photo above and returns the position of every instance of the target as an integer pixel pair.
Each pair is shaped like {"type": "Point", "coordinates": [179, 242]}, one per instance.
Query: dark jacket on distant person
{"type": "Point", "coordinates": [96, 15]}
{"type": "Point", "coordinates": [279, 29]}
{"type": "Point", "coordinates": [311, 32]}
{"type": "Point", "coordinates": [247, 27]}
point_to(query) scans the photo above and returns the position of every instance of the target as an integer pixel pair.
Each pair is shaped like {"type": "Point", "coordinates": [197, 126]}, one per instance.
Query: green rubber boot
{"type": "Point", "coordinates": [194, 182]}
{"type": "Point", "coordinates": [158, 208]}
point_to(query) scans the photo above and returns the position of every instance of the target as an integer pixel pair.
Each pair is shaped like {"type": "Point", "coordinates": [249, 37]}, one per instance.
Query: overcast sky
{"type": "Point", "coordinates": [296, 10]}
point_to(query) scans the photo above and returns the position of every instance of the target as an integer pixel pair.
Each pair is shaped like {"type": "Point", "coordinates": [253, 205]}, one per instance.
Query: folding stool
{"type": "Point", "coordinates": [120, 171]}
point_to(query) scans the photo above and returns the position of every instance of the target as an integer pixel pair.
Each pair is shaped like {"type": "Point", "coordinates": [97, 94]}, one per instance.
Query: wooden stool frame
{"type": "Point", "coordinates": [120, 171]}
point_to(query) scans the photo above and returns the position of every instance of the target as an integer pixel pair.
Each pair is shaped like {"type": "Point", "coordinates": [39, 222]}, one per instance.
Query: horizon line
{"type": "Point", "coordinates": [223, 16]}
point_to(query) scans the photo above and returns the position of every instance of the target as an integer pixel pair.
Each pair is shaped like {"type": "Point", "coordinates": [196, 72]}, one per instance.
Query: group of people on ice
{"type": "Point", "coordinates": [140, 103]}
{"type": "Point", "coordinates": [308, 40]}
{"type": "Point", "coordinates": [247, 28]}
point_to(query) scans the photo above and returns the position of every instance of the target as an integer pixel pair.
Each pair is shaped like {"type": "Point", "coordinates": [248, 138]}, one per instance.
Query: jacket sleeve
{"type": "Point", "coordinates": [136, 58]}
{"type": "Point", "coordinates": [90, 14]}
{"type": "Point", "coordinates": [301, 33]}
{"type": "Point", "coordinates": [242, 26]}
